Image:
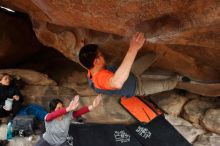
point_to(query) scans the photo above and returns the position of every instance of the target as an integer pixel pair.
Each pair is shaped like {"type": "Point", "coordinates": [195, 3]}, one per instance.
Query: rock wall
{"type": "Point", "coordinates": [185, 33]}
{"type": "Point", "coordinates": [17, 39]}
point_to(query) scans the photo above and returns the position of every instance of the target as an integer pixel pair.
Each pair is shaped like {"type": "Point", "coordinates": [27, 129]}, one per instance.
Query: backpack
{"type": "Point", "coordinates": [24, 125]}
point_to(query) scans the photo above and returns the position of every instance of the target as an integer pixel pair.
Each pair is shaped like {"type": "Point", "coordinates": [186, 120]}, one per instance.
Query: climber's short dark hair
{"type": "Point", "coordinates": [87, 55]}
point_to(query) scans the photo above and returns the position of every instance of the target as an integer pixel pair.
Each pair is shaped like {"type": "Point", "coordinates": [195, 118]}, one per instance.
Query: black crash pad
{"type": "Point", "coordinates": [159, 132]}
{"type": "Point", "coordinates": [101, 135]}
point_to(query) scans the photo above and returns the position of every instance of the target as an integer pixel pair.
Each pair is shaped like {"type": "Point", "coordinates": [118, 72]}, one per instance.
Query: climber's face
{"type": "Point", "coordinates": [99, 60]}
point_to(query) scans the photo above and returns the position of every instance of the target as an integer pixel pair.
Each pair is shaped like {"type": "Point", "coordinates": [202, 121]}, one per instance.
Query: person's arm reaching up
{"type": "Point", "coordinates": [53, 115]}
{"type": "Point", "coordinates": [72, 106]}
{"type": "Point", "coordinates": [87, 109]}
{"type": "Point", "coordinates": [80, 111]}
{"type": "Point", "coordinates": [122, 73]}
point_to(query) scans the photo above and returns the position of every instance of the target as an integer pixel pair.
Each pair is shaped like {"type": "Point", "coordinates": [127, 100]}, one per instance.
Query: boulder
{"type": "Point", "coordinates": [209, 139]}
{"type": "Point", "coordinates": [211, 120]}
{"type": "Point", "coordinates": [189, 131]}
{"type": "Point", "coordinates": [170, 102]}
{"type": "Point", "coordinates": [195, 109]}
{"type": "Point", "coordinates": [44, 94]}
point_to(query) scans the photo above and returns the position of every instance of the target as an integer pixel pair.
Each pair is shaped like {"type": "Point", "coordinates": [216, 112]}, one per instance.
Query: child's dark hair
{"type": "Point", "coordinates": [53, 104]}
{"type": "Point", "coordinates": [5, 74]}
{"type": "Point", "coordinates": [87, 55]}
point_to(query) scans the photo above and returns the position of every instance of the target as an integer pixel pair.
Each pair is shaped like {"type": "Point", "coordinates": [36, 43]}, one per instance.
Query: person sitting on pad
{"type": "Point", "coordinates": [10, 97]}
{"type": "Point", "coordinates": [11, 101]}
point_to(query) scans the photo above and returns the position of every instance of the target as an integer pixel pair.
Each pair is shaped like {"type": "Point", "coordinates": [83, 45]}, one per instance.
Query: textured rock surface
{"type": "Point", "coordinates": [109, 111]}
{"type": "Point", "coordinates": [65, 72]}
{"type": "Point", "coordinates": [44, 94]}
{"type": "Point", "coordinates": [195, 109]}
{"type": "Point", "coordinates": [205, 89]}
{"type": "Point", "coordinates": [16, 45]}
{"type": "Point", "coordinates": [64, 40]}
{"type": "Point", "coordinates": [211, 120]}
{"type": "Point", "coordinates": [189, 131]}
{"type": "Point", "coordinates": [209, 139]}
{"type": "Point", "coordinates": [170, 102]}
{"type": "Point", "coordinates": [186, 32]}
{"type": "Point", "coordinates": [29, 76]}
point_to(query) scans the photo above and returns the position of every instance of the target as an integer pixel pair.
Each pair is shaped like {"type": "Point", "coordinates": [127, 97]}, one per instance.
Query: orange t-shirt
{"type": "Point", "coordinates": [101, 79]}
